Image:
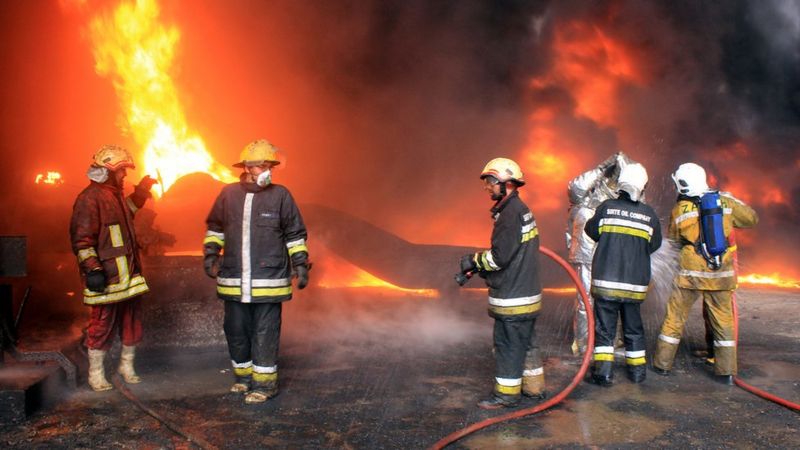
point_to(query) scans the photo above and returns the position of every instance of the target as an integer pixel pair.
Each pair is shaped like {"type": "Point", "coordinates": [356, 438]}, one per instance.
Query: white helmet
{"type": "Point", "coordinates": [632, 179]}
{"type": "Point", "coordinates": [690, 180]}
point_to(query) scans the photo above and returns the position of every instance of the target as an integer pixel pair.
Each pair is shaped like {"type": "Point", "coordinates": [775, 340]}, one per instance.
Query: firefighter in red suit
{"type": "Point", "coordinates": [103, 239]}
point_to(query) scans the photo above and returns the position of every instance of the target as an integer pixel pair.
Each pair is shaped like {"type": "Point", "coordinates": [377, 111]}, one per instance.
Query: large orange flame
{"type": "Point", "coordinates": [135, 50]}
{"type": "Point", "coordinates": [595, 67]}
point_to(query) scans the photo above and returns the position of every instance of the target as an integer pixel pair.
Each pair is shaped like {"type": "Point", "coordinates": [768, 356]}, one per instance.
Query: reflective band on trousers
{"type": "Point", "coordinates": [635, 358]}
{"type": "Point", "coordinates": [242, 369]}
{"type": "Point", "coordinates": [699, 274]}
{"type": "Point", "coordinates": [604, 353]}
{"type": "Point", "coordinates": [263, 374]}
{"type": "Point", "coordinates": [669, 339]}
{"type": "Point", "coordinates": [533, 372]}
{"type": "Point", "coordinates": [724, 343]}
{"type": "Point", "coordinates": [508, 381]}
{"type": "Point", "coordinates": [265, 369]}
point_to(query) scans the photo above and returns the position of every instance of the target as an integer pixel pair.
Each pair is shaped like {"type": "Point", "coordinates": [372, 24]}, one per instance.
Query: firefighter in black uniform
{"type": "Point", "coordinates": [511, 270]}
{"type": "Point", "coordinates": [259, 227]}
{"type": "Point", "coordinates": [627, 231]}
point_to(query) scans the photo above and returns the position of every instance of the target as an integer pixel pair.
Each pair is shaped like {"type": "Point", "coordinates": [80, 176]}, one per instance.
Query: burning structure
{"type": "Point", "coordinates": [386, 112]}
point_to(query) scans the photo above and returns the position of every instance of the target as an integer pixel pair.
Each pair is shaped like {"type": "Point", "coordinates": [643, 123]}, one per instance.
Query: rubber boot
{"type": "Point", "coordinates": [533, 386]}
{"type": "Point", "coordinates": [97, 372]}
{"type": "Point", "coordinates": [497, 401]}
{"type": "Point", "coordinates": [725, 379]}
{"type": "Point", "coordinates": [637, 374]}
{"type": "Point", "coordinates": [603, 373]}
{"type": "Point", "coordinates": [260, 395]}
{"type": "Point", "coordinates": [241, 386]}
{"type": "Point", "coordinates": [126, 365]}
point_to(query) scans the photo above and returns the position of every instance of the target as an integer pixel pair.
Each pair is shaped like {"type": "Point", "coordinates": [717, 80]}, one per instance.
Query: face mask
{"type": "Point", "coordinates": [264, 178]}
{"type": "Point", "coordinates": [97, 174]}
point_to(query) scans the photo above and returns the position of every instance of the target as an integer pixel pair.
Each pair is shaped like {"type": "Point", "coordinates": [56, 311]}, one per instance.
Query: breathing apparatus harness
{"type": "Point", "coordinates": [712, 243]}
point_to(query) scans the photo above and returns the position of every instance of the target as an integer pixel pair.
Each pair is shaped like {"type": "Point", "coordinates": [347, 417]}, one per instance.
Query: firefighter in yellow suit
{"type": "Point", "coordinates": [697, 278]}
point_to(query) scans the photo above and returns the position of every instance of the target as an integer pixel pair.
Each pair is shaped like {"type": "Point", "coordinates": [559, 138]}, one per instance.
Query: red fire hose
{"type": "Point", "coordinates": [747, 387]}
{"type": "Point", "coordinates": [449, 439]}
{"type": "Point", "coordinates": [737, 380]}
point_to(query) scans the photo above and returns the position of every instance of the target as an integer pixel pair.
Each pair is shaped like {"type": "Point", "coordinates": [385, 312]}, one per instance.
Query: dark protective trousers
{"type": "Point", "coordinates": [514, 346]}
{"type": "Point", "coordinates": [107, 321]}
{"type": "Point", "coordinates": [606, 315]}
{"type": "Point", "coordinates": [253, 333]}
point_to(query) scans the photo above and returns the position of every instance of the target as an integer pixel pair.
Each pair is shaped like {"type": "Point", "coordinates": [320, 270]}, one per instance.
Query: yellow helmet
{"type": "Point", "coordinates": [257, 153]}
{"type": "Point", "coordinates": [113, 157]}
{"type": "Point", "coordinates": [503, 169]}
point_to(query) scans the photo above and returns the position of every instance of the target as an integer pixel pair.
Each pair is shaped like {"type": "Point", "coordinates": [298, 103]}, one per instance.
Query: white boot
{"type": "Point", "coordinates": [97, 373]}
{"type": "Point", "coordinates": [126, 365]}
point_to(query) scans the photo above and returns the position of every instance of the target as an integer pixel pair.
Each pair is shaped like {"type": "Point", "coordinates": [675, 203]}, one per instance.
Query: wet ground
{"type": "Point", "coordinates": [366, 369]}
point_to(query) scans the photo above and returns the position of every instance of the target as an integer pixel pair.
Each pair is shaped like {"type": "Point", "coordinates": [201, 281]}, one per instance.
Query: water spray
{"type": "Point", "coordinates": [449, 439]}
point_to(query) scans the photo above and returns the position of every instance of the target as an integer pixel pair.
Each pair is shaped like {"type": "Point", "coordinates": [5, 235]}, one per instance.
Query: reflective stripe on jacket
{"type": "Point", "coordinates": [684, 228]}
{"type": "Point", "coordinates": [103, 237]}
{"type": "Point", "coordinates": [627, 233]}
{"type": "Point", "coordinates": [511, 266]}
{"type": "Point", "coordinates": [261, 232]}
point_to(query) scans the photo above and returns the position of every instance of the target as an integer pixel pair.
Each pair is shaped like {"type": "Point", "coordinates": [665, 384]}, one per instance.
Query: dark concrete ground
{"type": "Point", "coordinates": [364, 368]}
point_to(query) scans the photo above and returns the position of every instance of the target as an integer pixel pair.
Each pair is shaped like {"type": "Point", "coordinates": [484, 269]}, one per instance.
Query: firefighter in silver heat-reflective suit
{"type": "Point", "coordinates": [586, 192]}
{"type": "Point", "coordinates": [258, 226]}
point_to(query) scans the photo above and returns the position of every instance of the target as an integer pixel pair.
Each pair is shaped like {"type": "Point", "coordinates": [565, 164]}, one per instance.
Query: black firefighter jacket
{"type": "Point", "coordinates": [626, 233]}
{"type": "Point", "coordinates": [262, 233]}
{"type": "Point", "coordinates": [511, 266]}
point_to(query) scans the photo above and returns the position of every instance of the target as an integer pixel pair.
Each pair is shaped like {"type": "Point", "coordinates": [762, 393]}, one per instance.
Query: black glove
{"type": "Point", "coordinates": [96, 281]}
{"type": "Point", "coordinates": [302, 276]}
{"type": "Point", "coordinates": [211, 265]}
{"type": "Point", "coordinates": [146, 183]}
{"type": "Point", "coordinates": [468, 264]}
